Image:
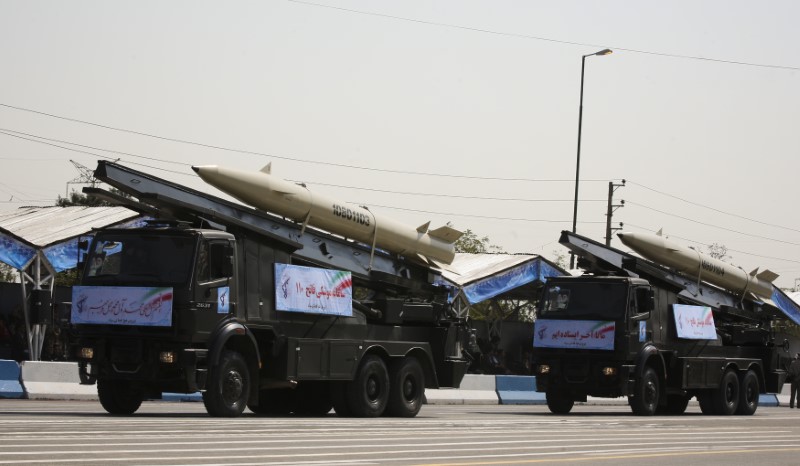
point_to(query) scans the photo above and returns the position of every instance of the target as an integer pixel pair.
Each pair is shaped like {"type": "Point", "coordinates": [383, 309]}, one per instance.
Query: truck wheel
{"type": "Point", "coordinates": [119, 396]}
{"type": "Point", "coordinates": [312, 398]}
{"type": "Point", "coordinates": [558, 402]}
{"type": "Point", "coordinates": [748, 394]}
{"type": "Point", "coordinates": [228, 387]}
{"type": "Point", "coordinates": [368, 394]}
{"type": "Point", "coordinates": [676, 404]}
{"type": "Point", "coordinates": [726, 396]}
{"type": "Point", "coordinates": [406, 389]}
{"type": "Point", "coordinates": [644, 401]}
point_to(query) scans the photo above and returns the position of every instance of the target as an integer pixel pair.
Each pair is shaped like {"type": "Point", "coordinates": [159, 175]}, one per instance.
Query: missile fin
{"type": "Point", "coordinates": [446, 234]}
{"type": "Point", "coordinates": [423, 228]}
{"type": "Point", "coordinates": [660, 232]}
{"type": "Point", "coordinates": [767, 276]}
{"type": "Point", "coordinates": [267, 169]}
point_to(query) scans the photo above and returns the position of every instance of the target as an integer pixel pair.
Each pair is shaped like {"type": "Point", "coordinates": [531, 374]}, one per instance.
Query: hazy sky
{"type": "Point", "coordinates": [450, 111]}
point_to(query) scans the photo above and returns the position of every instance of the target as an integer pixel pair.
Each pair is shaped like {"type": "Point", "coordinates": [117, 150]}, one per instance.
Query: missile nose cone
{"type": "Point", "coordinates": [196, 169]}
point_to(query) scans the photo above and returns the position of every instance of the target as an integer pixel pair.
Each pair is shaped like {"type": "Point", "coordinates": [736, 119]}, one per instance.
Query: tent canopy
{"type": "Point", "coordinates": [513, 276]}
{"type": "Point", "coordinates": [53, 230]}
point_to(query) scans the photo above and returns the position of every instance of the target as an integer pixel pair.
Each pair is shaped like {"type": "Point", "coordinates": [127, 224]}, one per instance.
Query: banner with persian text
{"type": "Point", "coordinates": [313, 290]}
{"type": "Point", "coordinates": [122, 305]}
{"type": "Point", "coordinates": [577, 334]}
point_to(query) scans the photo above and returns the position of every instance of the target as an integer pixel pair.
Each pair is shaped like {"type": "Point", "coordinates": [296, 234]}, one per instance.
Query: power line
{"type": "Point", "coordinates": [279, 157]}
{"type": "Point", "coordinates": [708, 245]}
{"type": "Point", "coordinates": [452, 196]}
{"type": "Point", "coordinates": [546, 39]}
{"type": "Point", "coordinates": [712, 208]}
{"type": "Point", "coordinates": [710, 224]}
{"type": "Point", "coordinates": [479, 216]}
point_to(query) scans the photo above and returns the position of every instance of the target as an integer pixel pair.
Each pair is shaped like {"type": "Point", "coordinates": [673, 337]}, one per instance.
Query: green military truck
{"type": "Point", "coordinates": [254, 312]}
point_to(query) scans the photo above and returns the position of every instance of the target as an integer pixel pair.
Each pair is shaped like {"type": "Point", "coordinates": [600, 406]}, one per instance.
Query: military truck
{"type": "Point", "coordinates": [631, 327]}
{"type": "Point", "coordinates": [254, 311]}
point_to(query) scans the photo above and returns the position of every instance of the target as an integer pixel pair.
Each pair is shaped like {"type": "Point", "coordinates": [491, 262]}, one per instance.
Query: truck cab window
{"type": "Point", "coordinates": [211, 259]}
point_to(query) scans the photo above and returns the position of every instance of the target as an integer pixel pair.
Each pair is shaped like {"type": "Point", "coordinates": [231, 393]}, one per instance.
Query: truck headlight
{"type": "Point", "coordinates": [86, 353]}
{"type": "Point", "coordinates": [167, 357]}
{"type": "Point", "coordinates": [544, 369]}
{"type": "Point", "coordinates": [609, 371]}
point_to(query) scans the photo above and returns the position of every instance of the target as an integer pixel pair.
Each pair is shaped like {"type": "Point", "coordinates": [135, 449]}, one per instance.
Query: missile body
{"type": "Point", "coordinates": [269, 193]}
{"type": "Point", "coordinates": [700, 266]}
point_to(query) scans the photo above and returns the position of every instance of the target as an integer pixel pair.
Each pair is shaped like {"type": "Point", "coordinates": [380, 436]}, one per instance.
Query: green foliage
{"type": "Point", "coordinates": [560, 259]}
{"type": "Point", "coordinates": [7, 273]}
{"type": "Point", "coordinates": [470, 242]}
{"type": "Point", "coordinates": [719, 251]}
{"type": "Point", "coordinates": [78, 199]}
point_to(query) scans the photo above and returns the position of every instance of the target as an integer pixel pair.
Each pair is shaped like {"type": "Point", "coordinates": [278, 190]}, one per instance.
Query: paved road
{"type": "Point", "coordinates": [72, 432]}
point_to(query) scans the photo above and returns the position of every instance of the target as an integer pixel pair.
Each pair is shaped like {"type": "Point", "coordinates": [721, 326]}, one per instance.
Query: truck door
{"type": "Point", "coordinates": [640, 322]}
{"type": "Point", "coordinates": [213, 283]}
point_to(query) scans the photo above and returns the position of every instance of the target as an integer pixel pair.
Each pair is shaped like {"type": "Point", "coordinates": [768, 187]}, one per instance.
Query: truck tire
{"type": "Point", "coordinates": [726, 397]}
{"type": "Point", "coordinates": [406, 388]}
{"type": "Point", "coordinates": [748, 394]}
{"type": "Point", "coordinates": [558, 402]}
{"type": "Point", "coordinates": [647, 391]}
{"type": "Point", "coordinates": [368, 394]}
{"type": "Point", "coordinates": [119, 397]}
{"type": "Point", "coordinates": [228, 386]}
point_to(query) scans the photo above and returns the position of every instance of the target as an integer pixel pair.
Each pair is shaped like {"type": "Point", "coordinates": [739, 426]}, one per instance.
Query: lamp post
{"type": "Point", "coordinates": [578, 164]}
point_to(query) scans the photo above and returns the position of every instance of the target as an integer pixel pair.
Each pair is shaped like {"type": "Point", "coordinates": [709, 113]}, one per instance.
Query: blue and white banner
{"type": "Point", "coordinates": [577, 334]}
{"type": "Point", "coordinates": [694, 322]}
{"type": "Point", "coordinates": [313, 290]}
{"type": "Point", "coordinates": [120, 305]}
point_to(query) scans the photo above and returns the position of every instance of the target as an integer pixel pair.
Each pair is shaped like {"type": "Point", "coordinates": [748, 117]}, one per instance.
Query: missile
{"type": "Point", "coordinates": [264, 191]}
{"type": "Point", "coordinates": [698, 265]}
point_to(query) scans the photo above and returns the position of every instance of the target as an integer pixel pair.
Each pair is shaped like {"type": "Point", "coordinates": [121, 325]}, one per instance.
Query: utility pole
{"type": "Point", "coordinates": [611, 208]}
{"type": "Point", "coordinates": [86, 177]}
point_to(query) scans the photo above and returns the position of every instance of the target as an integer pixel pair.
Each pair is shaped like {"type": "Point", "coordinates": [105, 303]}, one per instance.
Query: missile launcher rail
{"type": "Point", "coordinates": [598, 258]}
{"type": "Point", "coordinates": [170, 200]}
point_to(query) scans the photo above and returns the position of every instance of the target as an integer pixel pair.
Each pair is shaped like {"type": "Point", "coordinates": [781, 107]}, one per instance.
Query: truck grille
{"type": "Point", "coordinates": [576, 372]}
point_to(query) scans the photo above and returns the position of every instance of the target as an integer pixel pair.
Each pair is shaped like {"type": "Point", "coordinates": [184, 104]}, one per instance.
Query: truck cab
{"type": "Point", "coordinates": [587, 333]}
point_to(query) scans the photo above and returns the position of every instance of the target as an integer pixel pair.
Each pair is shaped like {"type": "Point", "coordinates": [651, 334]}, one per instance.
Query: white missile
{"type": "Point", "coordinates": [700, 266]}
{"type": "Point", "coordinates": [269, 193]}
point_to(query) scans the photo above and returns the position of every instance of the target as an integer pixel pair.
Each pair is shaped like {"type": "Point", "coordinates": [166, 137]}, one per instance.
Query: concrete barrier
{"type": "Point", "coordinates": [10, 386]}
{"type": "Point", "coordinates": [518, 390]}
{"type": "Point", "coordinates": [475, 389]}
{"type": "Point", "coordinates": [55, 381]}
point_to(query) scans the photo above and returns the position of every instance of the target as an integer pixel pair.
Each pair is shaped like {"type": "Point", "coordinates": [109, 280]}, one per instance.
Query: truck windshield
{"type": "Point", "coordinates": [584, 300]}
{"type": "Point", "coordinates": [138, 259]}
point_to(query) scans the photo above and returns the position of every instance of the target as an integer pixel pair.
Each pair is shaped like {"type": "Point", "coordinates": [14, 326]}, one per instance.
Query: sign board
{"type": "Point", "coordinates": [312, 290]}
{"type": "Point", "coordinates": [694, 322]}
{"type": "Point", "coordinates": [577, 334]}
{"type": "Point", "coordinates": [122, 305]}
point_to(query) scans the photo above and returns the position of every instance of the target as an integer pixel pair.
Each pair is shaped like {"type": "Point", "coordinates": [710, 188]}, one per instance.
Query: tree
{"type": "Point", "coordinates": [469, 242]}
{"type": "Point", "coordinates": [78, 199]}
{"type": "Point", "coordinates": [7, 273]}
{"type": "Point", "coordinates": [718, 251]}
{"type": "Point", "coordinates": [560, 259]}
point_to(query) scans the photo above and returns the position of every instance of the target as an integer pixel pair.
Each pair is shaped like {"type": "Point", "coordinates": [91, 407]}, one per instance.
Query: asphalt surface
{"type": "Point", "coordinates": [162, 433]}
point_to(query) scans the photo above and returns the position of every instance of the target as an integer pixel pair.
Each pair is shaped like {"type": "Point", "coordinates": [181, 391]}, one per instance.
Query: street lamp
{"type": "Point", "coordinates": [578, 164]}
